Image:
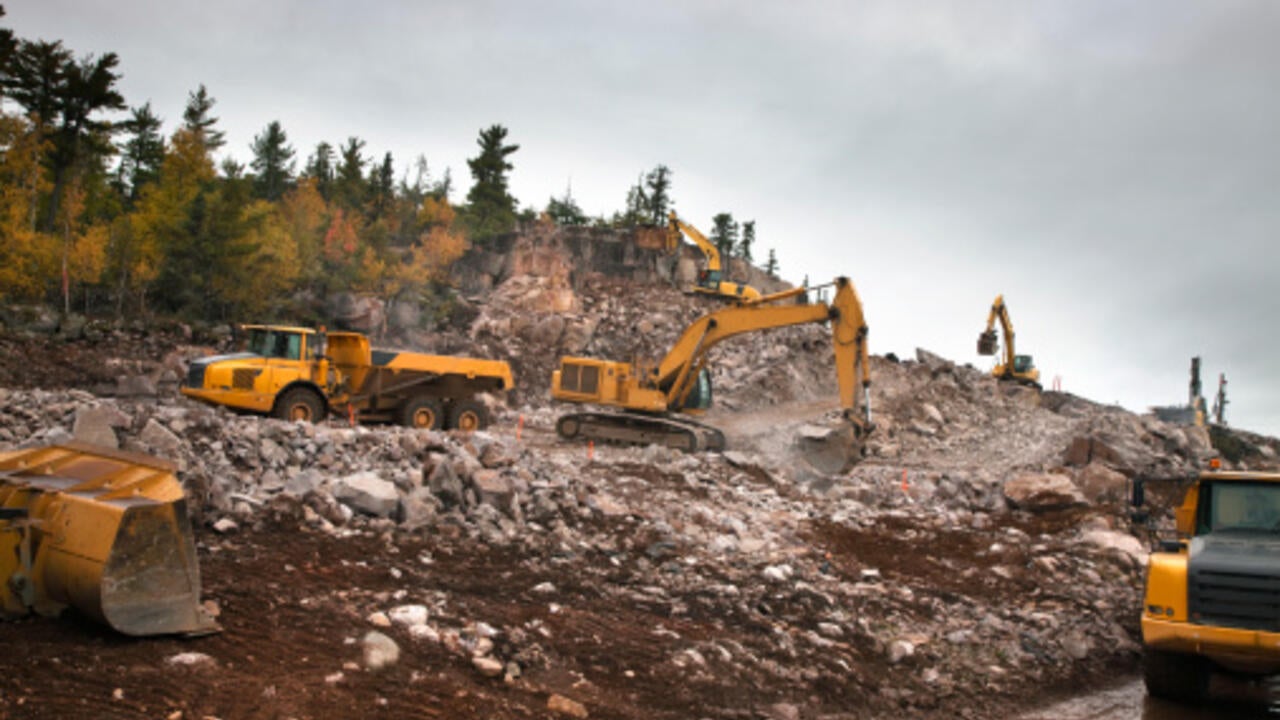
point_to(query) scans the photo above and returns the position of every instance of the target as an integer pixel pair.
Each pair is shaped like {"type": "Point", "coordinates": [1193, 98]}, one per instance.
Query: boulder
{"type": "Point", "coordinates": [159, 439]}
{"type": "Point", "coordinates": [494, 489]}
{"type": "Point", "coordinates": [96, 425]}
{"type": "Point", "coordinates": [367, 493]}
{"type": "Point", "coordinates": [1100, 483]}
{"type": "Point", "coordinates": [1042, 491]}
{"type": "Point", "coordinates": [128, 386]}
{"type": "Point", "coordinates": [379, 651]}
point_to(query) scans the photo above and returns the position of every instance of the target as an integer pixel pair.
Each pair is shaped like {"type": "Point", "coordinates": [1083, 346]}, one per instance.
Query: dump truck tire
{"type": "Point", "coordinates": [424, 413]}
{"type": "Point", "coordinates": [468, 415]}
{"type": "Point", "coordinates": [300, 404]}
{"type": "Point", "coordinates": [1175, 676]}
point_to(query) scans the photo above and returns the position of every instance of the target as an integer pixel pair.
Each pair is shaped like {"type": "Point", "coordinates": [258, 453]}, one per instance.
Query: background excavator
{"type": "Point", "coordinates": [711, 278]}
{"type": "Point", "coordinates": [1018, 368]}
{"type": "Point", "coordinates": [652, 403]}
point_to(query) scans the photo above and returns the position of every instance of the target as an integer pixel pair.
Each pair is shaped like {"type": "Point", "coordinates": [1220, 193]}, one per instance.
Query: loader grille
{"type": "Point", "coordinates": [1234, 599]}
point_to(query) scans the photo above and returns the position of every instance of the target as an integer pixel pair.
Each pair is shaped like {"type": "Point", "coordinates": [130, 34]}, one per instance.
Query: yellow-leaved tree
{"type": "Point", "coordinates": [270, 272]}
{"type": "Point", "coordinates": [28, 259]}
{"type": "Point", "coordinates": [305, 214]}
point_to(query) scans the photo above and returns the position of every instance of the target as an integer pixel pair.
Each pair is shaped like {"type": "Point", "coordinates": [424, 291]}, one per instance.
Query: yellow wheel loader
{"type": "Point", "coordinates": [1213, 595]}
{"type": "Point", "coordinates": [652, 404]}
{"type": "Point", "coordinates": [102, 531]}
{"type": "Point", "coordinates": [296, 373]}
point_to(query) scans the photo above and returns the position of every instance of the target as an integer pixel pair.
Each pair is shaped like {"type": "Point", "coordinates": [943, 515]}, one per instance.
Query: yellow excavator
{"type": "Point", "coordinates": [100, 530]}
{"type": "Point", "coordinates": [1018, 368]}
{"type": "Point", "coordinates": [711, 278]}
{"type": "Point", "coordinates": [651, 404]}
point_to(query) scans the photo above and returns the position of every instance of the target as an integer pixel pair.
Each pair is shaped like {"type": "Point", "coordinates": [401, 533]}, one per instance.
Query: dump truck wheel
{"type": "Point", "coordinates": [424, 413]}
{"type": "Point", "coordinates": [1175, 676]}
{"type": "Point", "coordinates": [300, 404]}
{"type": "Point", "coordinates": [468, 415]}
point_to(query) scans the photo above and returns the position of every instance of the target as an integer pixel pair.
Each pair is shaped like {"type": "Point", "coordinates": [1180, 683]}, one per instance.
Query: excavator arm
{"type": "Point", "coordinates": [676, 226]}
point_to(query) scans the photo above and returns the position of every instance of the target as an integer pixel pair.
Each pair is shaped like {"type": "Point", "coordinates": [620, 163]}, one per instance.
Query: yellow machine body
{"type": "Point", "coordinates": [103, 531]}
{"type": "Point", "coordinates": [711, 278]}
{"type": "Point", "coordinates": [1213, 597]}
{"type": "Point", "coordinates": [302, 374]}
{"type": "Point", "coordinates": [1019, 368]}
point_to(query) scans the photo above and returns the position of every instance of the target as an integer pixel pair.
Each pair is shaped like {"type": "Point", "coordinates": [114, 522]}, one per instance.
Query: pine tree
{"type": "Point", "coordinates": [272, 163]}
{"type": "Point", "coordinates": [382, 187]}
{"type": "Point", "coordinates": [659, 202]}
{"type": "Point", "coordinates": [724, 234]}
{"type": "Point", "coordinates": [197, 119]}
{"type": "Point", "coordinates": [565, 211]}
{"type": "Point", "coordinates": [320, 168]}
{"type": "Point", "coordinates": [349, 189]}
{"type": "Point", "coordinates": [491, 208]}
{"type": "Point", "coordinates": [771, 265]}
{"type": "Point", "coordinates": [8, 44]}
{"type": "Point", "coordinates": [748, 239]}
{"type": "Point", "coordinates": [142, 153]}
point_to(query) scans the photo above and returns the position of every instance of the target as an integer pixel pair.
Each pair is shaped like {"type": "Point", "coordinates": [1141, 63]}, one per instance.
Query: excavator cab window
{"type": "Point", "coordinates": [709, 279]}
{"type": "Point", "coordinates": [700, 396]}
{"type": "Point", "coordinates": [1022, 363]}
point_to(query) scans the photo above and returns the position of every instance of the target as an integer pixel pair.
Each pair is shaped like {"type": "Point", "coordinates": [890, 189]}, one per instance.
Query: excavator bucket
{"type": "Point", "coordinates": [103, 531]}
{"type": "Point", "coordinates": [987, 343]}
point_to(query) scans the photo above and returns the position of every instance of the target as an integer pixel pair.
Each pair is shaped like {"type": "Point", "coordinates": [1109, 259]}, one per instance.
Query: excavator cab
{"type": "Point", "coordinates": [700, 396]}
{"type": "Point", "coordinates": [709, 279]}
{"type": "Point", "coordinates": [1023, 364]}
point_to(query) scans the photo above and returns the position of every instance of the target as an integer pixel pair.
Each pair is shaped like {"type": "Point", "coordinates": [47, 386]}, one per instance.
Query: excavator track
{"type": "Point", "coordinates": [636, 429]}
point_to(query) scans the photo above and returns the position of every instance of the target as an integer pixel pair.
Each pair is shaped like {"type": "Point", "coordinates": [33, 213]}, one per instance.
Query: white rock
{"type": "Point", "coordinates": [899, 650]}
{"type": "Point", "coordinates": [368, 493]}
{"type": "Point", "coordinates": [189, 659]}
{"type": "Point", "coordinates": [488, 667]}
{"type": "Point", "coordinates": [379, 650]}
{"type": "Point", "coordinates": [408, 615]}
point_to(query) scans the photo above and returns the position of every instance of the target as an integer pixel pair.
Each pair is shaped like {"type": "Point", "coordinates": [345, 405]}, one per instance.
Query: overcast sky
{"type": "Point", "coordinates": [1112, 167]}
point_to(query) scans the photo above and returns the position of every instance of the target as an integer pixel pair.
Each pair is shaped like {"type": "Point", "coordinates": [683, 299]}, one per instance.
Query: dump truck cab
{"type": "Point", "coordinates": [273, 360]}
{"type": "Point", "coordinates": [1211, 596]}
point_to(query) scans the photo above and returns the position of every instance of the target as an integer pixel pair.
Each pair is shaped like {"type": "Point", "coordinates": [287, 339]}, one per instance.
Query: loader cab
{"type": "Point", "coordinates": [700, 396]}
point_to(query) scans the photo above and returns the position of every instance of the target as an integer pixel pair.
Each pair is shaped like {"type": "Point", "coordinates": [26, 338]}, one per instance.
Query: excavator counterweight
{"type": "Point", "coordinates": [103, 531]}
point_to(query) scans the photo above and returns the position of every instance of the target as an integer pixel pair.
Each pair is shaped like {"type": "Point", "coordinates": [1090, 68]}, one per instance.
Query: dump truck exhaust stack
{"type": "Point", "coordinates": [103, 531]}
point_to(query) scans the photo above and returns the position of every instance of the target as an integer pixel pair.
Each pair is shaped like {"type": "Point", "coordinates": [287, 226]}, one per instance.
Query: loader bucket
{"type": "Point", "coordinates": [987, 343]}
{"type": "Point", "coordinates": [102, 531]}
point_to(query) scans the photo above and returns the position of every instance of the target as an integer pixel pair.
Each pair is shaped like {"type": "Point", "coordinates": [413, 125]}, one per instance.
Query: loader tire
{"type": "Point", "coordinates": [1174, 676]}
{"type": "Point", "coordinates": [424, 413]}
{"type": "Point", "coordinates": [300, 404]}
{"type": "Point", "coordinates": [468, 415]}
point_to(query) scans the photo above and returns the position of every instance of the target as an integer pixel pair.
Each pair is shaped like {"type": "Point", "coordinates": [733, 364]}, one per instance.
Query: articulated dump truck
{"type": "Point", "coordinates": [298, 373]}
{"type": "Point", "coordinates": [102, 531]}
{"type": "Point", "coordinates": [1213, 594]}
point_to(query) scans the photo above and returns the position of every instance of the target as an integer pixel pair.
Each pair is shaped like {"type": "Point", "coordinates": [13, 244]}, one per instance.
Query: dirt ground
{"type": "Point", "coordinates": [293, 600]}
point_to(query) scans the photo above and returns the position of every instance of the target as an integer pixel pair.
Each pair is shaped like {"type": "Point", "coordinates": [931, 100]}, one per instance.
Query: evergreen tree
{"type": "Point", "coordinates": [64, 95]}
{"type": "Point", "coordinates": [637, 207]}
{"type": "Point", "coordinates": [565, 211]}
{"type": "Point", "coordinates": [231, 168]}
{"type": "Point", "coordinates": [771, 265]}
{"type": "Point", "coordinates": [272, 163]}
{"type": "Point", "coordinates": [658, 199]}
{"type": "Point", "coordinates": [349, 189]}
{"type": "Point", "coordinates": [382, 187]}
{"type": "Point", "coordinates": [8, 44]}
{"type": "Point", "coordinates": [491, 208]}
{"type": "Point", "coordinates": [748, 239]}
{"type": "Point", "coordinates": [320, 168]}
{"type": "Point", "coordinates": [142, 153]}
{"type": "Point", "coordinates": [724, 234]}
{"type": "Point", "coordinates": [442, 189]}
{"type": "Point", "coordinates": [196, 118]}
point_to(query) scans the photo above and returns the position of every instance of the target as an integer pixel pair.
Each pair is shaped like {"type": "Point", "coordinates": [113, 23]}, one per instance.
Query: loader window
{"type": "Point", "coordinates": [1240, 506]}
